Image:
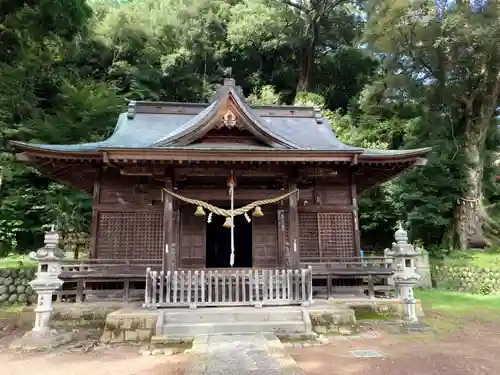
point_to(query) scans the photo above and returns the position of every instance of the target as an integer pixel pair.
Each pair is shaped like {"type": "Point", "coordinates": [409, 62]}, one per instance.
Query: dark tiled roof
{"type": "Point", "coordinates": [158, 125]}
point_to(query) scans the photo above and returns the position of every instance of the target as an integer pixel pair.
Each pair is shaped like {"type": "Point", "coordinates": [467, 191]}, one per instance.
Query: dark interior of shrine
{"type": "Point", "coordinates": [218, 243]}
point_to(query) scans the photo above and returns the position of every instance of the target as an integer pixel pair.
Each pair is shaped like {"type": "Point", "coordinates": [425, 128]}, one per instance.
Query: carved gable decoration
{"type": "Point", "coordinates": [229, 121]}
{"type": "Point", "coordinates": [228, 113]}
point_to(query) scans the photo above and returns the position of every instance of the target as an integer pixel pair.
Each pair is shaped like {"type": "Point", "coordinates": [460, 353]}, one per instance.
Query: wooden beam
{"type": "Point", "coordinates": [167, 227]}
{"type": "Point", "coordinates": [95, 215]}
{"type": "Point", "coordinates": [281, 238]}
{"type": "Point", "coordinates": [325, 208]}
{"type": "Point", "coordinates": [357, 235]}
{"type": "Point", "coordinates": [221, 194]}
{"type": "Point", "coordinates": [293, 226]}
{"type": "Point", "coordinates": [232, 156]}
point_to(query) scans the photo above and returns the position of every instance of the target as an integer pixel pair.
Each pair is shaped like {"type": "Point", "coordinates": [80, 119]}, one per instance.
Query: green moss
{"type": "Point", "coordinates": [366, 314]}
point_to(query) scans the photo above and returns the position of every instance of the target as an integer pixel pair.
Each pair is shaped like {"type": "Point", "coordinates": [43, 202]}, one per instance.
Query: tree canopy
{"type": "Point", "coordinates": [388, 73]}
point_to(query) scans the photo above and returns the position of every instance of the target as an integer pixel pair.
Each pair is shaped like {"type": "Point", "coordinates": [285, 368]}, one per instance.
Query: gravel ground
{"type": "Point", "coordinates": [472, 349]}
{"type": "Point", "coordinates": [109, 362]}
{"type": "Point", "coordinates": [84, 359]}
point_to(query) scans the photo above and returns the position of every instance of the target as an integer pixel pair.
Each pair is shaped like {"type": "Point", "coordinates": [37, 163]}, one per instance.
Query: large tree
{"type": "Point", "coordinates": [445, 56]}
{"type": "Point", "coordinates": [305, 29]}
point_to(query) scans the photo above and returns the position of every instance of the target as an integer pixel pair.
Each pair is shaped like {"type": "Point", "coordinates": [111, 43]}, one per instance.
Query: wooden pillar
{"type": "Point", "coordinates": [281, 237]}
{"type": "Point", "coordinates": [95, 214]}
{"type": "Point", "coordinates": [167, 227]}
{"type": "Point", "coordinates": [293, 227]}
{"type": "Point", "coordinates": [357, 236]}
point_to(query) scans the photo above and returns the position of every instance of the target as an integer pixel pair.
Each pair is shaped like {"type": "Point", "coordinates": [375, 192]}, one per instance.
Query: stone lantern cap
{"type": "Point", "coordinates": [50, 251]}
{"type": "Point", "coordinates": [401, 235]}
{"type": "Point", "coordinates": [401, 247]}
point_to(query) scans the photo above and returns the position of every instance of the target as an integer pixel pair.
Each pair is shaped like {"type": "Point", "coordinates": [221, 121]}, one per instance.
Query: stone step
{"type": "Point", "coordinates": [232, 315]}
{"type": "Point", "coordinates": [190, 329]}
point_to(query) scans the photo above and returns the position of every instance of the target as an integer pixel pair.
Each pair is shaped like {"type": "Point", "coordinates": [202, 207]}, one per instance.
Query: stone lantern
{"type": "Point", "coordinates": [45, 284]}
{"type": "Point", "coordinates": [405, 276]}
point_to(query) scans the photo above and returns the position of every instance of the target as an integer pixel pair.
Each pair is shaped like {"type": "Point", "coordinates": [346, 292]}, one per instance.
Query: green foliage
{"type": "Point", "coordinates": [66, 70]}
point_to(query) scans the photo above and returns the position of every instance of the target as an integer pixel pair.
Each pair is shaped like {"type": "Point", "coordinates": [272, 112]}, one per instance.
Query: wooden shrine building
{"type": "Point", "coordinates": [161, 154]}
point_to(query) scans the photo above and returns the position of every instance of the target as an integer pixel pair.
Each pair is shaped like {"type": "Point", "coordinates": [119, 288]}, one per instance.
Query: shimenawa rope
{"type": "Point", "coordinates": [227, 213]}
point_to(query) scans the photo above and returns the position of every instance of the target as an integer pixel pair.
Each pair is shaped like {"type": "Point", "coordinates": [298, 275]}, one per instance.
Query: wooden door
{"type": "Point", "coordinates": [265, 238]}
{"type": "Point", "coordinates": [192, 238]}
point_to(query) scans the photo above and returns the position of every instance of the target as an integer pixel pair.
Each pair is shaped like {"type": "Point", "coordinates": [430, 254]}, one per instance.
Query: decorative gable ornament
{"type": "Point", "coordinates": [229, 120]}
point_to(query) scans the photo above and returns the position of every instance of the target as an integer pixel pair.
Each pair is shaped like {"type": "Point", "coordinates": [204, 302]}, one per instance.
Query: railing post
{"type": "Point", "coordinates": [147, 299]}
{"type": "Point", "coordinates": [310, 284]}
{"type": "Point", "coordinates": [154, 284]}
{"type": "Point", "coordinates": [162, 286]}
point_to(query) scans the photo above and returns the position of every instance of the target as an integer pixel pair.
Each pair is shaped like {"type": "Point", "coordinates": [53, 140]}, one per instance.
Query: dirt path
{"type": "Point", "coordinates": [472, 349]}
{"type": "Point", "coordinates": [109, 362]}
{"type": "Point", "coordinates": [124, 360]}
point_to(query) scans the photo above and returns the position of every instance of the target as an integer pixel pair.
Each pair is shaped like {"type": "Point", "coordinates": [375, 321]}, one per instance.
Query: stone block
{"type": "Point", "coordinates": [320, 329]}
{"type": "Point", "coordinates": [117, 336]}
{"type": "Point", "coordinates": [144, 335]}
{"type": "Point", "coordinates": [106, 337]}
{"type": "Point", "coordinates": [131, 336]}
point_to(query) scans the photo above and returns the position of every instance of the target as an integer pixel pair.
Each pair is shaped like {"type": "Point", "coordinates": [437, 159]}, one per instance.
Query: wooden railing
{"type": "Point", "coordinates": [107, 267]}
{"type": "Point", "coordinates": [352, 275]}
{"type": "Point", "coordinates": [228, 288]}
{"type": "Point", "coordinates": [104, 279]}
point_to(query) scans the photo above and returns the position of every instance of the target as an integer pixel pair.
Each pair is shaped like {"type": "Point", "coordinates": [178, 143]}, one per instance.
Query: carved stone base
{"type": "Point", "coordinates": [411, 327]}
{"type": "Point", "coordinates": [37, 341]}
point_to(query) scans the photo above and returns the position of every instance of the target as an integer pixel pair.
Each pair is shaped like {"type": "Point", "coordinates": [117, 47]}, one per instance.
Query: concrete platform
{"type": "Point", "coordinates": [181, 325]}
{"type": "Point", "coordinates": [185, 324]}
{"type": "Point", "coordinates": [250, 354]}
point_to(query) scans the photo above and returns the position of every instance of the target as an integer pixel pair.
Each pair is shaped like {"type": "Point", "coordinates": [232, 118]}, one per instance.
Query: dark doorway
{"type": "Point", "coordinates": [219, 243]}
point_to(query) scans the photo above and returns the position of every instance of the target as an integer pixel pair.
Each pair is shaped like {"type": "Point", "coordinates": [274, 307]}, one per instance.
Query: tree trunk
{"type": "Point", "coordinates": [480, 108]}
{"type": "Point", "coordinates": [306, 69]}
{"type": "Point", "coordinates": [308, 55]}
{"type": "Point", "coordinates": [469, 221]}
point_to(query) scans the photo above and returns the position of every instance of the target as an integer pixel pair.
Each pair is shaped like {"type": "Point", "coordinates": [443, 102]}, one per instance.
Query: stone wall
{"type": "Point", "coordinates": [467, 279]}
{"type": "Point", "coordinates": [129, 325]}
{"type": "Point", "coordinates": [423, 269]}
{"type": "Point", "coordinates": [14, 286]}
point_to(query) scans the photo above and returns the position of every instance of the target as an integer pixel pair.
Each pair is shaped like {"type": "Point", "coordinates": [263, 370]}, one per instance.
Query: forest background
{"type": "Point", "coordinates": [388, 73]}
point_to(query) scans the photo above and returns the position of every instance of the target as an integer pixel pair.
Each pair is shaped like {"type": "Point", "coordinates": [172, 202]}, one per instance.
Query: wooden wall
{"type": "Point", "coordinates": [127, 218]}
{"type": "Point", "coordinates": [128, 223]}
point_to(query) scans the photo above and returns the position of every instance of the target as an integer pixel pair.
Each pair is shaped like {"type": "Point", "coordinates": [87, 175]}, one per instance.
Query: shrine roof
{"type": "Point", "coordinates": [155, 126]}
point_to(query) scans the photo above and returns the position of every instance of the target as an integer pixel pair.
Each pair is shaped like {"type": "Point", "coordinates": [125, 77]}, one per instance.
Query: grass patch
{"type": "Point", "coordinates": [12, 308]}
{"type": "Point", "coordinates": [447, 301]}
{"type": "Point", "coordinates": [479, 259]}
{"type": "Point", "coordinates": [16, 262]}
{"type": "Point", "coordinates": [448, 311]}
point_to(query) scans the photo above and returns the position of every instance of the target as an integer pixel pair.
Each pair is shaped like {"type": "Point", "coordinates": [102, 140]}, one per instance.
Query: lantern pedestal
{"type": "Point", "coordinates": [47, 281]}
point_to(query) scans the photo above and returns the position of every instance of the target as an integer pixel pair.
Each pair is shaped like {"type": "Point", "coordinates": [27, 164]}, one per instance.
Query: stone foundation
{"type": "Point", "coordinates": [328, 320]}
{"type": "Point", "coordinates": [390, 307]}
{"type": "Point", "coordinates": [14, 286]}
{"type": "Point", "coordinates": [70, 315]}
{"type": "Point", "coordinates": [130, 325]}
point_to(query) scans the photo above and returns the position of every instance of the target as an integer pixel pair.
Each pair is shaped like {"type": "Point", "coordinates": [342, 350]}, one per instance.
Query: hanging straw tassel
{"type": "Point", "coordinates": [257, 212]}
{"type": "Point", "coordinates": [228, 223]}
{"type": "Point", "coordinates": [199, 211]}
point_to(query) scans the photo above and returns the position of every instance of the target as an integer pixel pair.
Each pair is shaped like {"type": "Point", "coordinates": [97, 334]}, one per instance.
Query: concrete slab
{"type": "Point", "coordinates": [244, 354]}
{"type": "Point", "coordinates": [32, 341]}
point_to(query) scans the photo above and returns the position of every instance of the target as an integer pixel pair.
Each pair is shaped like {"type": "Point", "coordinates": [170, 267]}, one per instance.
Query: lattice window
{"type": "Point", "coordinates": [130, 235]}
{"type": "Point", "coordinates": [336, 235]}
{"type": "Point", "coordinates": [308, 235]}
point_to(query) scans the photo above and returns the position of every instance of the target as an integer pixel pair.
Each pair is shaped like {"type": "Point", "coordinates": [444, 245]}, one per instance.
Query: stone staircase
{"type": "Point", "coordinates": [186, 324]}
